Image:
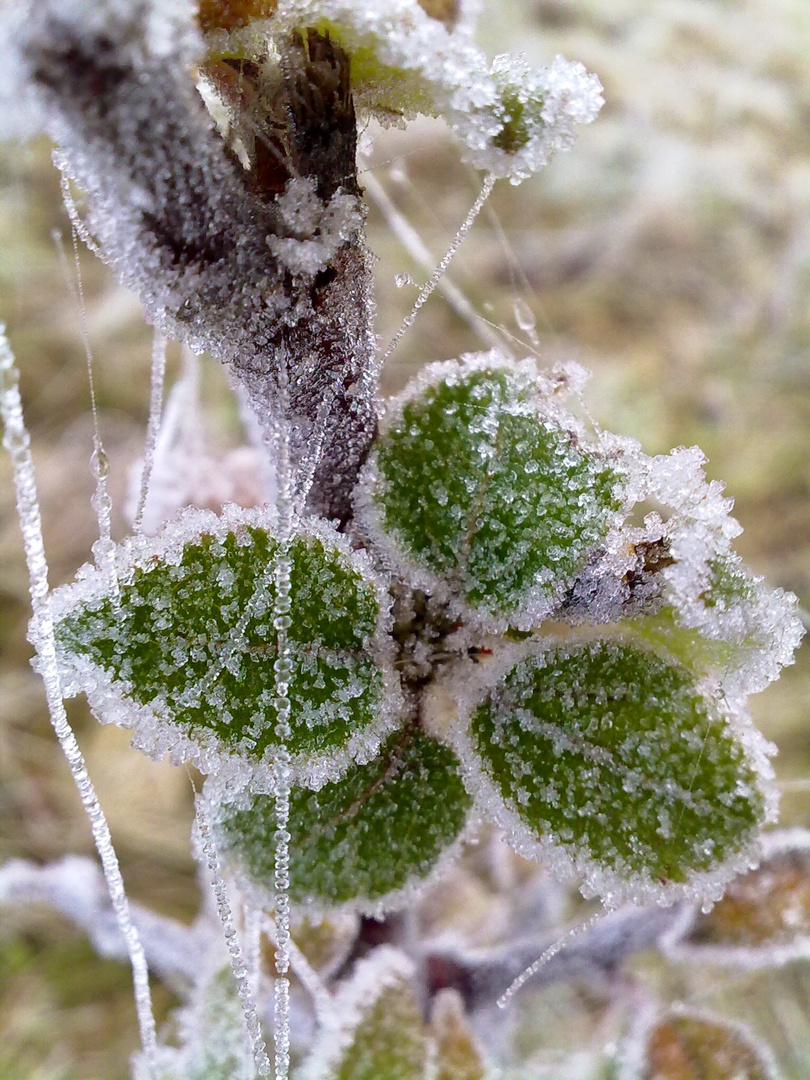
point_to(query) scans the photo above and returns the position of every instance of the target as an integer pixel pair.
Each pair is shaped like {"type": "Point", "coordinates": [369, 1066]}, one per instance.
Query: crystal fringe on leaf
{"type": "Point", "coordinates": [484, 487]}
{"type": "Point", "coordinates": [712, 612]}
{"type": "Point", "coordinates": [186, 658]}
{"type": "Point", "coordinates": [509, 118]}
{"type": "Point", "coordinates": [613, 761]}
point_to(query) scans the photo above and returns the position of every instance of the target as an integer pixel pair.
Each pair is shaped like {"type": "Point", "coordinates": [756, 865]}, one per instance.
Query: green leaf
{"type": "Point", "coordinates": [363, 839]}
{"type": "Point", "coordinates": [616, 756]}
{"type": "Point", "coordinates": [683, 1045]}
{"type": "Point", "coordinates": [217, 1046]}
{"type": "Point", "coordinates": [376, 1030]}
{"type": "Point", "coordinates": [214, 1043]}
{"type": "Point", "coordinates": [482, 481]}
{"type": "Point", "coordinates": [763, 918]}
{"type": "Point", "coordinates": [186, 653]}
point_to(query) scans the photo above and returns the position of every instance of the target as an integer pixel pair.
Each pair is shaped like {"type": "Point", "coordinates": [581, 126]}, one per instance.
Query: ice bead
{"type": "Point", "coordinates": [613, 759]}
{"type": "Point", "coordinates": [366, 840]}
{"type": "Point", "coordinates": [186, 655]}
{"type": "Point", "coordinates": [483, 484]}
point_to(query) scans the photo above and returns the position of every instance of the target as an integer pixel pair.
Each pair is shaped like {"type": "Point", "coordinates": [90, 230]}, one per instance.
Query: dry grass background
{"type": "Point", "coordinates": [669, 253]}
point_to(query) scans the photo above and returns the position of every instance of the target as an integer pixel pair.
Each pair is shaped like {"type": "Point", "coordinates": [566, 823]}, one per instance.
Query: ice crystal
{"type": "Point", "coordinates": [510, 119]}
{"type": "Point", "coordinates": [318, 230]}
{"type": "Point", "coordinates": [713, 612]}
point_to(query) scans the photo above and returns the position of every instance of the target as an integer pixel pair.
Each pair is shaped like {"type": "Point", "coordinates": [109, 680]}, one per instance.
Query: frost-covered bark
{"type": "Point", "coordinates": [218, 259]}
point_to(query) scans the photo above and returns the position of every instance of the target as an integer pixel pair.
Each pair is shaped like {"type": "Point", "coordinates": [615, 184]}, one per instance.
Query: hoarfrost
{"type": "Point", "coordinates": [698, 1043]}
{"type": "Point", "coordinates": [174, 216]}
{"type": "Point", "coordinates": [152, 698]}
{"type": "Point", "coordinates": [611, 875]}
{"type": "Point", "coordinates": [318, 230]}
{"type": "Point", "coordinates": [152, 426]}
{"type": "Point", "coordinates": [510, 119]}
{"type": "Point", "coordinates": [234, 947]}
{"type": "Point", "coordinates": [500, 541]}
{"type": "Point", "coordinates": [16, 442]}
{"type": "Point", "coordinates": [76, 888]}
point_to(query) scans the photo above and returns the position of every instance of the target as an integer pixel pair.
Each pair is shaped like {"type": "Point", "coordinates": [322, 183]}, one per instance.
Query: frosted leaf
{"type": "Point", "coordinates": [738, 625]}
{"type": "Point", "coordinates": [677, 582]}
{"type": "Point", "coordinates": [483, 483]}
{"type": "Point", "coordinates": [457, 1054]}
{"type": "Point", "coordinates": [604, 756]}
{"type": "Point", "coordinates": [376, 1031]}
{"type": "Point", "coordinates": [538, 111]}
{"type": "Point", "coordinates": [404, 61]}
{"type": "Point", "coordinates": [763, 918]}
{"type": "Point", "coordinates": [213, 1039]}
{"type": "Point", "coordinates": [187, 657]}
{"type": "Point", "coordinates": [367, 840]}
{"type": "Point", "coordinates": [326, 942]}
{"type": "Point", "coordinates": [682, 1044]}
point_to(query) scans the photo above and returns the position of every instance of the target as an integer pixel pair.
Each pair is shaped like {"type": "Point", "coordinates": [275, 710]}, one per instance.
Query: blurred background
{"type": "Point", "coordinates": [669, 253]}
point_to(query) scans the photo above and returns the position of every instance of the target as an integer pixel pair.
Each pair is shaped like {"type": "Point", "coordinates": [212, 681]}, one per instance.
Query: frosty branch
{"type": "Point", "coordinates": [202, 239]}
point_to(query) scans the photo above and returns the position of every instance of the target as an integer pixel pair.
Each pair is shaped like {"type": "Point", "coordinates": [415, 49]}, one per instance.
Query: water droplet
{"type": "Point", "coordinates": [524, 317]}
{"type": "Point", "coordinates": [403, 279]}
{"type": "Point", "coordinates": [99, 463]}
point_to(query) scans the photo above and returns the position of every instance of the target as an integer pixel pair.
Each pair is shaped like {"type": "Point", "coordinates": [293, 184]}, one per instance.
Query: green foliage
{"type": "Point", "coordinates": [193, 635]}
{"type": "Point", "coordinates": [380, 827]}
{"type": "Point", "coordinates": [377, 1031]}
{"type": "Point", "coordinates": [736, 626]}
{"type": "Point", "coordinates": [613, 752]}
{"type": "Point", "coordinates": [487, 484]}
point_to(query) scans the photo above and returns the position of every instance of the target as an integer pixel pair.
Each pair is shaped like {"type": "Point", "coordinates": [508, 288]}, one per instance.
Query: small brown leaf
{"type": "Point", "coordinates": [444, 11]}
{"type": "Point", "coordinates": [686, 1046]}
{"type": "Point", "coordinates": [457, 1054]}
{"type": "Point", "coordinates": [233, 14]}
{"type": "Point", "coordinates": [763, 920]}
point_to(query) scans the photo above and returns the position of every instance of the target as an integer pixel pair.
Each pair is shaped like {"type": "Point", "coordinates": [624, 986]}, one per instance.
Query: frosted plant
{"type": "Point", "coordinates": [464, 606]}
